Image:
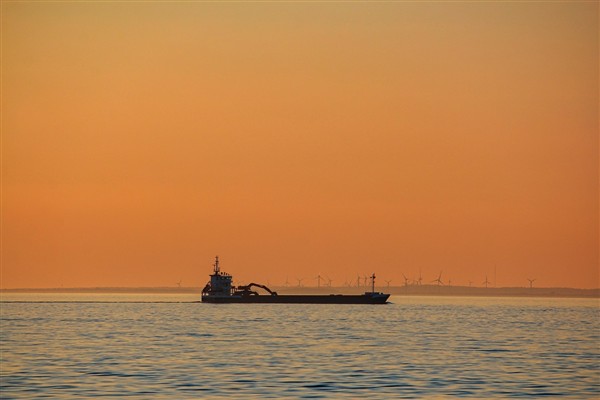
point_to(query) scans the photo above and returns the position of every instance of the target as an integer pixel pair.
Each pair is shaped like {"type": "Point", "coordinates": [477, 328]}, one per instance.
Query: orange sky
{"type": "Point", "coordinates": [141, 139]}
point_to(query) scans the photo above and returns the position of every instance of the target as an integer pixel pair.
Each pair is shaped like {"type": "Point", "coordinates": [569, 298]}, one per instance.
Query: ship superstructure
{"type": "Point", "coordinates": [220, 282]}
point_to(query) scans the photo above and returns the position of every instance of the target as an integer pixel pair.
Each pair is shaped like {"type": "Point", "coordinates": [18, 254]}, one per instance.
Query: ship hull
{"type": "Point", "coordinates": [369, 298]}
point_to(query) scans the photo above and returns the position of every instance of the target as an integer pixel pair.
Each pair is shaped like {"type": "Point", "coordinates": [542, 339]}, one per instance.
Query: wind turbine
{"type": "Point", "coordinates": [179, 283]}
{"type": "Point", "coordinates": [388, 283]}
{"type": "Point", "coordinates": [319, 280]}
{"type": "Point", "coordinates": [357, 280]}
{"type": "Point", "coordinates": [405, 280]}
{"type": "Point", "coordinates": [287, 282]}
{"type": "Point", "coordinates": [439, 279]}
{"type": "Point", "coordinates": [486, 282]}
{"type": "Point", "coordinates": [365, 277]}
{"type": "Point", "coordinates": [329, 280]}
{"type": "Point", "coordinates": [420, 278]}
{"type": "Point", "coordinates": [531, 283]}
{"type": "Point", "coordinates": [299, 281]}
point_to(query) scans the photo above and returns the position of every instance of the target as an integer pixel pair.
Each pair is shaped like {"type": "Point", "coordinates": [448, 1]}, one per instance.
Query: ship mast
{"type": "Point", "coordinates": [373, 282]}
{"type": "Point", "coordinates": [216, 265]}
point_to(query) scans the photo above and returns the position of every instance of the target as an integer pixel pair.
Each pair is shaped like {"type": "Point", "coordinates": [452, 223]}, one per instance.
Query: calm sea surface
{"type": "Point", "coordinates": [166, 346]}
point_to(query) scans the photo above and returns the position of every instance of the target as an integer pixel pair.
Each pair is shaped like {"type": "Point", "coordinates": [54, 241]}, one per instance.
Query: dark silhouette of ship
{"type": "Point", "coordinates": [220, 290]}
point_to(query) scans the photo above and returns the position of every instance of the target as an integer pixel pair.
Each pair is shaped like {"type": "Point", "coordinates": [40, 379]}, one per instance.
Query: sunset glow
{"type": "Point", "coordinates": [139, 140]}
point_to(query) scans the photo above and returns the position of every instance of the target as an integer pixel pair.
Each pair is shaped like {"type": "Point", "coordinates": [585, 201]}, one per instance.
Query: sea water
{"type": "Point", "coordinates": [168, 346]}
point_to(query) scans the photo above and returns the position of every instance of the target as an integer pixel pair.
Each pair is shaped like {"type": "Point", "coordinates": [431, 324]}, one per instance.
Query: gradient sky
{"type": "Point", "coordinates": [139, 140]}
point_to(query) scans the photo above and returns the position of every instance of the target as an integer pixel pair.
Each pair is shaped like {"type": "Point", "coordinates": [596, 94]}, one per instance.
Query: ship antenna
{"type": "Point", "coordinates": [373, 278]}
{"type": "Point", "coordinates": [217, 265]}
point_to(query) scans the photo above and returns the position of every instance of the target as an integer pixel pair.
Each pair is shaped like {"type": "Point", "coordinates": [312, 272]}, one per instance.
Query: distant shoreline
{"type": "Point", "coordinates": [411, 290]}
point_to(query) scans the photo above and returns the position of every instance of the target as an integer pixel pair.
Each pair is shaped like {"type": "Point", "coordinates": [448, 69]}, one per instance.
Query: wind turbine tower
{"type": "Point", "coordinates": [405, 280]}
{"type": "Point", "coordinates": [438, 280]}
{"type": "Point", "coordinates": [486, 282]}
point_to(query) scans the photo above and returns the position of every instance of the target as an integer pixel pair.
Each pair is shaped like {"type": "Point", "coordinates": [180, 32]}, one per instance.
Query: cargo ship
{"type": "Point", "coordinates": [220, 289]}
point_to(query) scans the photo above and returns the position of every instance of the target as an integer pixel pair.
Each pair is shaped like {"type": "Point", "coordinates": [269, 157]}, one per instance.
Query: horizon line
{"type": "Point", "coordinates": [300, 287]}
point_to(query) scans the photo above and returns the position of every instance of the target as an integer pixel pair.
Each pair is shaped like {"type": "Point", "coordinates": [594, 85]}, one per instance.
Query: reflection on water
{"type": "Point", "coordinates": [416, 347]}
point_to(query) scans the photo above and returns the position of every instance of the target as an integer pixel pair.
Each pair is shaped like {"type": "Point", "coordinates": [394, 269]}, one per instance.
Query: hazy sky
{"type": "Point", "coordinates": [139, 140]}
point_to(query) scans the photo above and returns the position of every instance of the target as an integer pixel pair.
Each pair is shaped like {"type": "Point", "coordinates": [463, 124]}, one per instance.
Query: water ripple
{"type": "Point", "coordinates": [416, 347]}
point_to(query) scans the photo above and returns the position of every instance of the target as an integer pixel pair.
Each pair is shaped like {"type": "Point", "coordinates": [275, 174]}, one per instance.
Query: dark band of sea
{"type": "Point", "coordinates": [171, 346]}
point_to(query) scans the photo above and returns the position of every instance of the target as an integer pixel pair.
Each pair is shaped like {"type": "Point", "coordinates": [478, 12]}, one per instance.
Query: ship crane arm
{"type": "Point", "coordinates": [247, 288]}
